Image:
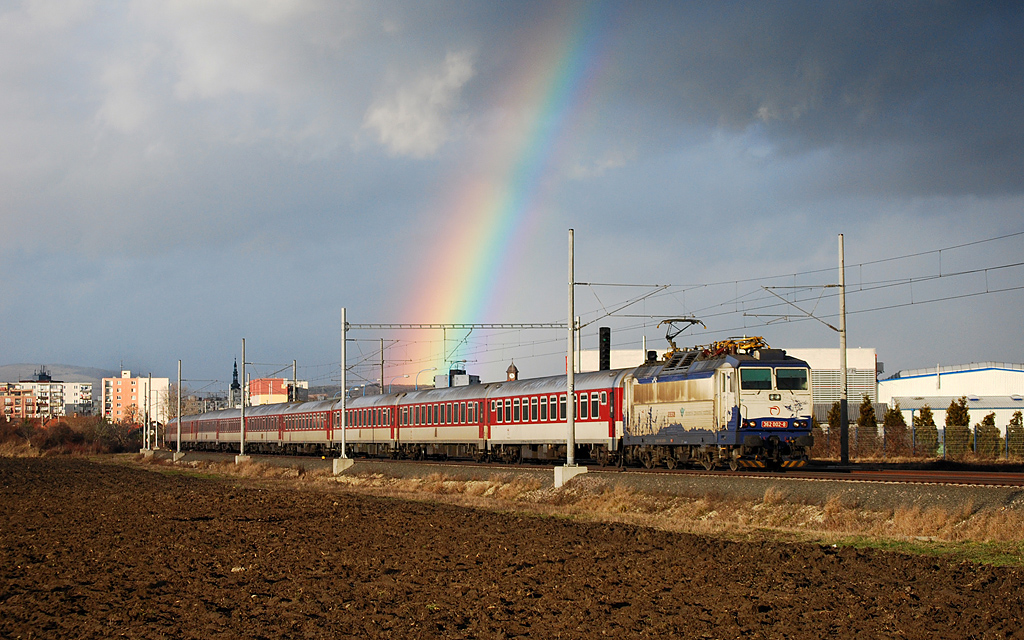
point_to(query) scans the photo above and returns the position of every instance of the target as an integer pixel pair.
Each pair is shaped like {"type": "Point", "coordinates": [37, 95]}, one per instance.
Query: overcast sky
{"type": "Point", "coordinates": [177, 175]}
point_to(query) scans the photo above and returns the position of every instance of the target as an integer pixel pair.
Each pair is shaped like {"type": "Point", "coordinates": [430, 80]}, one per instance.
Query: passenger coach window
{"type": "Point", "coordinates": [595, 409]}
{"type": "Point", "coordinates": [583, 406]}
{"type": "Point", "coordinates": [561, 407]}
{"type": "Point", "coordinates": [543, 409]}
{"type": "Point", "coordinates": [756, 379]}
{"type": "Point", "coordinates": [508, 411]}
{"type": "Point", "coordinates": [533, 409]}
{"type": "Point", "coordinates": [791, 379]}
{"type": "Point", "coordinates": [515, 410]}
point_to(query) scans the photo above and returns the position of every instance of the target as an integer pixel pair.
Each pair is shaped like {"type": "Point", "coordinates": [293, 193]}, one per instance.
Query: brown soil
{"type": "Point", "coordinates": [98, 551]}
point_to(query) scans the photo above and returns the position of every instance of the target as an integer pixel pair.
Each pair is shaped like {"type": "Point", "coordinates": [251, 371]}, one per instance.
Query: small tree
{"type": "Point", "coordinates": [894, 426]}
{"type": "Point", "coordinates": [986, 437]}
{"type": "Point", "coordinates": [958, 430]}
{"type": "Point", "coordinates": [867, 428]}
{"type": "Point", "coordinates": [1015, 435]}
{"type": "Point", "coordinates": [833, 431]}
{"type": "Point", "coordinates": [926, 435]}
{"type": "Point", "coordinates": [820, 446]}
{"type": "Point", "coordinates": [190, 404]}
{"type": "Point", "coordinates": [131, 416]}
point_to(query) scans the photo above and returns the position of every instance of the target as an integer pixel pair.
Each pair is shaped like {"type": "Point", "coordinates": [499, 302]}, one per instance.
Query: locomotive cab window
{"type": "Point", "coordinates": [755, 379]}
{"type": "Point", "coordinates": [791, 379]}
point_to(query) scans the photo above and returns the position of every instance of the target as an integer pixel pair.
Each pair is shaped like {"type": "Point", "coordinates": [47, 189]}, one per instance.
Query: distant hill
{"type": "Point", "coordinates": [64, 372]}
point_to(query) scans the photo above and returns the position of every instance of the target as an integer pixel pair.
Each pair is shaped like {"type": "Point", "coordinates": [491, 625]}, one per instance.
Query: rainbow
{"type": "Point", "coordinates": [498, 203]}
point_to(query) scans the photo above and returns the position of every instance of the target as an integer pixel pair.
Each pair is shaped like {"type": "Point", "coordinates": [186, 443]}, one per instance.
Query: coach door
{"type": "Point", "coordinates": [725, 397]}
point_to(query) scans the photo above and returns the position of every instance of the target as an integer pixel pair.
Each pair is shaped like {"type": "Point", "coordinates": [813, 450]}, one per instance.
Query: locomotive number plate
{"type": "Point", "coordinates": [773, 424]}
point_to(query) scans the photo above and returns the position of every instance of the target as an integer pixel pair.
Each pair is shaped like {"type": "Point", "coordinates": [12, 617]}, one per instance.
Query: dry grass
{"type": "Point", "coordinates": [775, 514]}
{"type": "Point", "coordinates": [18, 449]}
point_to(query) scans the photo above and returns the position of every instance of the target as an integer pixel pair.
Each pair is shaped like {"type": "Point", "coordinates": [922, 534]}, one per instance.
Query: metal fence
{"type": "Point", "coordinates": [975, 443]}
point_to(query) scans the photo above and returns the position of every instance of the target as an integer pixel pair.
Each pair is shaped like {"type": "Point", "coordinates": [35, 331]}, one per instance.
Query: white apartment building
{"type": "Point", "coordinates": [56, 398]}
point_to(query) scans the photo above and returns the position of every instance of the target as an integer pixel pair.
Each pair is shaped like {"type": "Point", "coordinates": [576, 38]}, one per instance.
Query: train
{"type": "Point", "coordinates": [734, 403]}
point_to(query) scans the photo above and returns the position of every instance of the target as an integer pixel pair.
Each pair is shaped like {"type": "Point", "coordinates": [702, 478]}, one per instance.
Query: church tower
{"type": "Point", "coordinates": [235, 393]}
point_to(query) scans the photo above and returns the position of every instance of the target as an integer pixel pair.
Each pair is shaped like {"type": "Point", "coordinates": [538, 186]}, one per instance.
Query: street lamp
{"type": "Point", "coordinates": [417, 382]}
{"type": "Point", "coordinates": [396, 378]}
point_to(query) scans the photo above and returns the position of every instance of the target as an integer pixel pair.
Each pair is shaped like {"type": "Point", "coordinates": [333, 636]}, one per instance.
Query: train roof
{"type": "Point", "coordinates": [694, 363]}
{"type": "Point", "coordinates": [587, 381]}
{"type": "Point", "coordinates": [591, 380]}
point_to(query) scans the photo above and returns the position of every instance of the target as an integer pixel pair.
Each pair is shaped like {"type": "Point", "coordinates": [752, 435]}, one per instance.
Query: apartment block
{"type": "Point", "coordinates": [131, 399]}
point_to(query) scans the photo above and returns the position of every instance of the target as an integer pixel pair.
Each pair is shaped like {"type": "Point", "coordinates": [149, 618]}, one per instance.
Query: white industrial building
{"type": "Point", "coordinates": [862, 369]}
{"type": "Point", "coordinates": [589, 359]}
{"type": "Point", "coordinates": [990, 387]}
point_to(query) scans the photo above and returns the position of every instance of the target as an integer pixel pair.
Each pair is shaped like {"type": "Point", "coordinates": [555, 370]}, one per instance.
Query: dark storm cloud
{"type": "Point", "coordinates": [934, 86]}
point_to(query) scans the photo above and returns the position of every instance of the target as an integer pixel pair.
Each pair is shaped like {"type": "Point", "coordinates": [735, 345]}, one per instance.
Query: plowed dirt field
{"type": "Point", "coordinates": [98, 551]}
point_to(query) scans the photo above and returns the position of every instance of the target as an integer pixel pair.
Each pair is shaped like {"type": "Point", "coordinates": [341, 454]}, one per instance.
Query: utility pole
{"type": "Point", "coordinates": [844, 416]}
{"type": "Point", "coordinates": [570, 365]}
{"type": "Point", "coordinates": [566, 473]}
{"type": "Point", "coordinates": [382, 366]}
{"type": "Point", "coordinates": [149, 404]}
{"type": "Point", "coordinates": [343, 462]}
{"type": "Point", "coordinates": [241, 457]}
{"type": "Point", "coordinates": [295, 383]}
{"type": "Point", "coordinates": [179, 408]}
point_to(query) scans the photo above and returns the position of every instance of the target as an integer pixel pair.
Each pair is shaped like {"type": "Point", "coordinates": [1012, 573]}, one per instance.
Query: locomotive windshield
{"type": "Point", "coordinates": [791, 379]}
{"type": "Point", "coordinates": [755, 379]}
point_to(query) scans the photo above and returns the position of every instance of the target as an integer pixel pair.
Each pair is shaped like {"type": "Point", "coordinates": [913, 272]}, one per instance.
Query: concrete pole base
{"type": "Point", "coordinates": [239, 459]}
{"type": "Point", "coordinates": [177, 456]}
{"type": "Point", "coordinates": [565, 474]}
{"type": "Point", "coordinates": [341, 464]}
{"type": "Point", "coordinates": [146, 453]}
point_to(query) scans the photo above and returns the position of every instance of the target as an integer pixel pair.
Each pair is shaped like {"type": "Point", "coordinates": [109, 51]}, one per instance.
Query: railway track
{"type": "Point", "coordinates": [833, 474]}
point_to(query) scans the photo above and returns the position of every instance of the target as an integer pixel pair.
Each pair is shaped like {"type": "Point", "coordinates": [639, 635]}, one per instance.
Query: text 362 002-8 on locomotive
{"type": "Point", "coordinates": [735, 403]}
